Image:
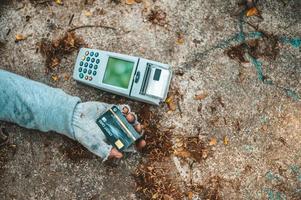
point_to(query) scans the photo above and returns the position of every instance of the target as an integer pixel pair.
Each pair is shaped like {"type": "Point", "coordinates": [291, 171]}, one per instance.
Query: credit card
{"type": "Point", "coordinates": [118, 131]}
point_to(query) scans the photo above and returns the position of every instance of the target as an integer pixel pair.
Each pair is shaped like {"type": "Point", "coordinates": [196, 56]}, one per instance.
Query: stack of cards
{"type": "Point", "coordinates": [118, 131]}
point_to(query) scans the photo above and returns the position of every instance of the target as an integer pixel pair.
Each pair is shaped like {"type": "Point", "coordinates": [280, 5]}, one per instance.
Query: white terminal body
{"type": "Point", "coordinates": [129, 76]}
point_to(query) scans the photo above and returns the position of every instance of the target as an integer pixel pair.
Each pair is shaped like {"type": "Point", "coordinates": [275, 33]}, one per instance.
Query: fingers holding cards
{"type": "Point", "coordinates": [132, 119]}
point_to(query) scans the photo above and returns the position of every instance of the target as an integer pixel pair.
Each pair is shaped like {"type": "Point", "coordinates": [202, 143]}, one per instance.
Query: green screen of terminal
{"type": "Point", "coordinates": [118, 72]}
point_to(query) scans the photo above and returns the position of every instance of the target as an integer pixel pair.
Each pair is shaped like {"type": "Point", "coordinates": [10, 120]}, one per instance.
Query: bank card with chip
{"type": "Point", "coordinates": [118, 131]}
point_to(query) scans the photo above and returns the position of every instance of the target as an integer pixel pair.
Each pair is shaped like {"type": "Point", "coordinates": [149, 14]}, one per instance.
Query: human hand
{"type": "Point", "coordinates": [87, 132]}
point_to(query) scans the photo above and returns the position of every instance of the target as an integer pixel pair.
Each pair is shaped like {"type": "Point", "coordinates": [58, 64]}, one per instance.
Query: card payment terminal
{"type": "Point", "coordinates": [129, 76]}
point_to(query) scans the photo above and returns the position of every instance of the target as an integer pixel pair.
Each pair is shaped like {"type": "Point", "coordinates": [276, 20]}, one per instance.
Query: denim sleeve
{"type": "Point", "coordinates": [35, 105]}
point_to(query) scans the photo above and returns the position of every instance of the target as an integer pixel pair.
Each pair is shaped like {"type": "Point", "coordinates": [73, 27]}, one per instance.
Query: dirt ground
{"type": "Point", "coordinates": [231, 128]}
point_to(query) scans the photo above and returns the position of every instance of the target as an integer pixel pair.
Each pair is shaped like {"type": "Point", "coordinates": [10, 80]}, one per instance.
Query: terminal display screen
{"type": "Point", "coordinates": [118, 72]}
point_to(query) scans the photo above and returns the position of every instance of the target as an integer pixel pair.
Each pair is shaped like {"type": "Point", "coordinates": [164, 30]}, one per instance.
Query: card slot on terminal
{"type": "Point", "coordinates": [145, 79]}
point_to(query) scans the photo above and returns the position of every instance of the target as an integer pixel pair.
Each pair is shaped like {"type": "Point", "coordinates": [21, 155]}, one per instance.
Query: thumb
{"type": "Point", "coordinates": [115, 154]}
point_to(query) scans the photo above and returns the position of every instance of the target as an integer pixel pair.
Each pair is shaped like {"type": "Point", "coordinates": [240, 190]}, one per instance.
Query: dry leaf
{"type": "Point", "coordinates": [190, 195]}
{"type": "Point", "coordinates": [226, 140]}
{"type": "Point", "coordinates": [200, 96]}
{"type": "Point", "coordinates": [54, 62]}
{"type": "Point", "coordinates": [130, 2]}
{"type": "Point", "coordinates": [70, 40]}
{"type": "Point", "coordinates": [252, 11]}
{"type": "Point", "coordinates": [150, 168]}
{"type": "Point", "coordinates": [146, 4]}
{"type": "Point", "coordinates": [157, 16]}
{"type": "Point", "coordinates": [168, 100]}
{"type": "Point", "coordinates": [205, 153]}
{"type": "Point", "coordinates": [180, 39]}
{"type": "Point", "coordinates": [179, 144]}
{"type": "Point", "coordinates": [167, 197]}
{"type": "Point", "coordinates": [171, 103]}
{"type": "Point", "coordinates": [87, 13]}
{"type": "Point", "coordinates": [155, 196]}
{"type": "Point", "coordinates": [66, 77]}
{"type": "Point", "coordinates": [56, 49]}
{"type": "Point", "coordinates": [264, 127]}
{"type": "Point", "coordinates": [213, 141]}
{"type": "Point", "coordinates": [55, 77]}
{"type": "Point", "coordinates": [59, 2]}
{"type": "Point", "coordinates": [19, 37]}
{"type": "Point", "coordinates": [169, 112]}
{"type": "Point", "coordinates": [182, 154]}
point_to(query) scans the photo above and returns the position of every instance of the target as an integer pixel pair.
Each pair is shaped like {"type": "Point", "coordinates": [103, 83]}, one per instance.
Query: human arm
{"type": "Point", "coordinates": [35, 105]}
